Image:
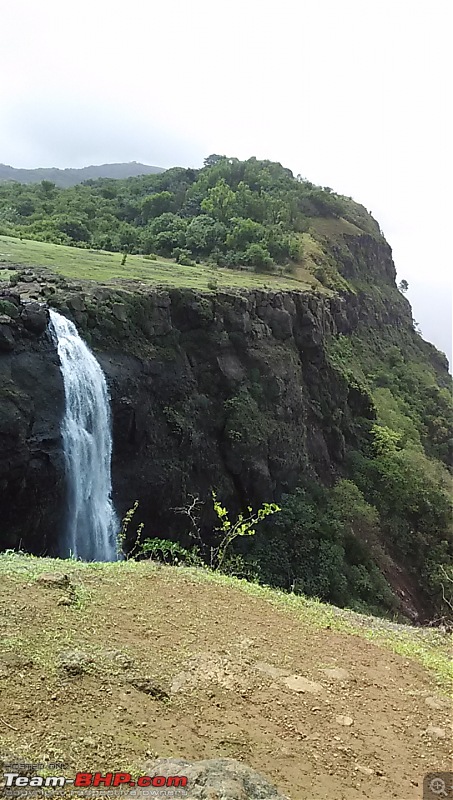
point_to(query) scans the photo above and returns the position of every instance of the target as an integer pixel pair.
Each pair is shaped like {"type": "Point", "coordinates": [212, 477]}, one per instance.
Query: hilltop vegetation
{"type": "Point", "coordinates": [232, 213]}
{"type": "Point", "coordinates": [70, 177]}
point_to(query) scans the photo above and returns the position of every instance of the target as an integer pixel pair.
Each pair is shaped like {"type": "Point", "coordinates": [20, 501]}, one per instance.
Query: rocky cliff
{"type": "Point", "coordinates": [232, 391]}
{"type": "Point", "coordinates": [31, 406]}
{"type": "Point", "coordinates": [235, 391]}
{"type": "Point", "coordinates": [226, 390]}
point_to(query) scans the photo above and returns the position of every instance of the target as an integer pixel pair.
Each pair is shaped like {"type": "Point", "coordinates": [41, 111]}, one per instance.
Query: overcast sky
{"type": "Point", "coordinates": [355, 95]}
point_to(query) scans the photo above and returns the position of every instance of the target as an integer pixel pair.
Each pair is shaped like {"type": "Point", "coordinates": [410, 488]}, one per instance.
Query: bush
{"type": "Point", "coordinates": [259, 257]}
{"type": "Point", "coordinates": [183, 256]}
{"type": "Point", "coordinates": [168, 552]}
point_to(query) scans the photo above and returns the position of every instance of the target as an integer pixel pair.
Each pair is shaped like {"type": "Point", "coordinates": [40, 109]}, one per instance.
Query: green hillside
{"type": "Point", "coordinates": [230, 213]}
{"type": "Point", "coordinates": [104, 266]}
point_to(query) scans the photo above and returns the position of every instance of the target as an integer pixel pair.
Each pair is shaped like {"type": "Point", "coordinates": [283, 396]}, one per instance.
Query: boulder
{"type": "Point", "coordinates": [120, 312]}
{"type": "Point", "coordinates": [75, 662]}
{"type": "Point", "coordinates": [9, 308]}
{"type": "Point", "coordinates": [219, 778]}
{"type": "Point", "coordinates": [54, 579]}
{"type": "Point", "coordinates": [77, 303]}
{"type": "Point", "coordinates": [34, 317]}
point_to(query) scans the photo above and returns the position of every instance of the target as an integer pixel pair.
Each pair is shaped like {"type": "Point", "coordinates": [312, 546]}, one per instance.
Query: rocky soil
{"type": "Point", "coordinates": [116, 666]}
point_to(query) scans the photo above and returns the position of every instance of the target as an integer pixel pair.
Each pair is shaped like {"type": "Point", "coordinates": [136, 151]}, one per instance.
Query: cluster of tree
{"type": "Point", "coordinates": [319, 545]}
{"type": "Point", "coordinates": [232, 212]}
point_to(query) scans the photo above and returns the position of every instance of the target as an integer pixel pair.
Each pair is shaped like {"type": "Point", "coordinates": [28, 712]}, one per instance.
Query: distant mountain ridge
{"type": "Point", "coordinates": [70, 177]}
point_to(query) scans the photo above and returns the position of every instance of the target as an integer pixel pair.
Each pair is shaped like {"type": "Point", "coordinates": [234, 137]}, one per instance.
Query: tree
{"type": "Point", "coordinates": [128, 236]}
{"type": "Point", "coordinates": [204, 234]}
{"type": "Point", "coordinates": [403, 286]}
{"type": "Point", "coordinates": [167, 231]}
{"type": "Point", "coordinates": [243, 233]}
{"type": "Point", "coordinates": [156, 204]}
{"type": "Point", "coordinates": [258, 256]}
{"type": "Point", "coordinates": [26, 205]}
{"type": "Point", "coordinates": [220, 202]}
{"type": "Point", "coordinates": [212, 160]}
{"type": "Point", "coordinates": [228, 531]}
{"type": "Point", "coordinates": [48, 188]}
{"type": "Point", "coordinates": [74, 228]}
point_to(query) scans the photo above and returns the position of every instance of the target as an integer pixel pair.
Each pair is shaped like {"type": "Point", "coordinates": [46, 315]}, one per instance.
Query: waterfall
{"type": "Point", "coordinates": [92, 524]}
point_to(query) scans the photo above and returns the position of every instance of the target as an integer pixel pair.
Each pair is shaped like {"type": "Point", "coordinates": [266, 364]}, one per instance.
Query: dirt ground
{"type": "Point", "coordinates": [117, 668]}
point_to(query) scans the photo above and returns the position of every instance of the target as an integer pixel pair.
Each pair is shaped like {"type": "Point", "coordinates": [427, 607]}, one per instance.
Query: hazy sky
{"type": "Point", "coordinates": [355, 95]}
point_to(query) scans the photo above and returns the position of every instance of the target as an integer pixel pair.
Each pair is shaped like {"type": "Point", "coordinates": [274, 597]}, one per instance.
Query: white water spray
{"type": "Point", "coordinates": [92, 524]}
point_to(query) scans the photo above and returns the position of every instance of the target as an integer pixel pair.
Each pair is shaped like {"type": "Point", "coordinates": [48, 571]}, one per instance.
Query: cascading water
{"type": "Point", "coordinates": [92, 524]}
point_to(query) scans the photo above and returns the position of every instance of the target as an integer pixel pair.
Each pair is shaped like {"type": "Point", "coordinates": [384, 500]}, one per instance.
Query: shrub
{"type": "Point", "coordinates": [183, 256]}
{"type": "Point", "coordinates": [259, 257]}
{"type": "Point", "coordinates": [168, 552]}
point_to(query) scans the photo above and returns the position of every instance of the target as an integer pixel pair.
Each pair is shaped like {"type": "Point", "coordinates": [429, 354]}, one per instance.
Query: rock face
{"type": "Point", "coordinates": [228, 391]}
{"type": "Point", "coordinates": [217, 778]}
{"type": "Point", "coordinates": [31, 404]}
{"type": "Point", "coordinates": [231, 391]}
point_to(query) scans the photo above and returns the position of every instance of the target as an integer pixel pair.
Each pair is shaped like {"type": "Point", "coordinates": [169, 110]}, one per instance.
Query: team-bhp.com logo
{"type": "Point", "coordinates": [84, 780]}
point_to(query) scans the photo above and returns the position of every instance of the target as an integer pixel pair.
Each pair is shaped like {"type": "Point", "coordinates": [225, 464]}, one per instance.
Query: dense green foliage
{"type": "Point", "coordinates": [404, 462]}
{"type": "Point", "coordinates": [250, 213]}
{"type": "Point", "coordinates": [339, 544]}
{"type": "Point", "coordinates": [325, 543]}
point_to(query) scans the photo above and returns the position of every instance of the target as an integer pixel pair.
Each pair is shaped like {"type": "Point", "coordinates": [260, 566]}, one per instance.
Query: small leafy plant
{"type": "Point", "coordinates": [163, 550]}
{"type": "Point", "coordinates": [229, 531]}
{"type": "Point", "coordinates": [168, 552]}
{"type": "Point", "coordinates": [122, 536]}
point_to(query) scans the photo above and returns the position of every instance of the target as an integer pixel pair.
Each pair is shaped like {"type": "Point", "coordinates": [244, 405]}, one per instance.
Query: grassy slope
{"type": "Point", "coordinates": [208, 641]}
{"type": "Point", "coordinates": [104, 266]}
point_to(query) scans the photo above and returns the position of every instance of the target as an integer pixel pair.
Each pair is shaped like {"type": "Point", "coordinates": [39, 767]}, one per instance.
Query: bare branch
{"type": "Point", "coordinates": [192, 511]}
{"type": "Point", "coordinates": [444, 598]}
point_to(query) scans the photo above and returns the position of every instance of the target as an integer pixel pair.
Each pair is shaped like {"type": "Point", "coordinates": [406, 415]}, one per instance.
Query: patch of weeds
{"type": "Point", "coordinates": [81, 597]}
